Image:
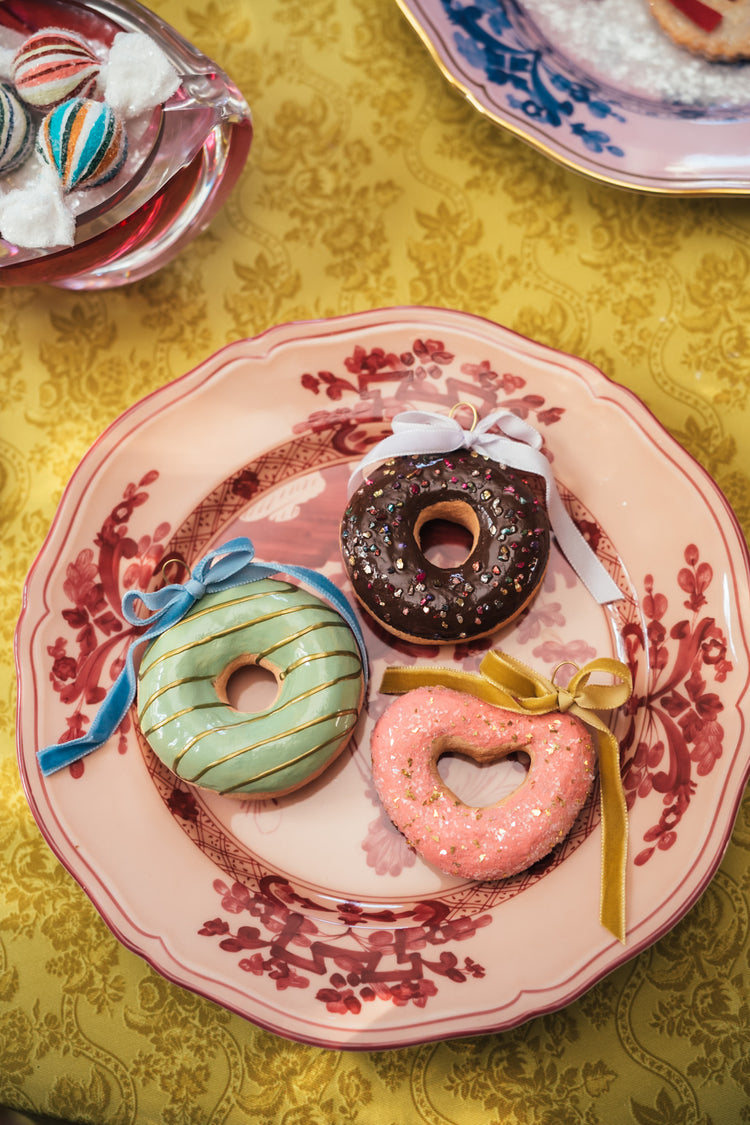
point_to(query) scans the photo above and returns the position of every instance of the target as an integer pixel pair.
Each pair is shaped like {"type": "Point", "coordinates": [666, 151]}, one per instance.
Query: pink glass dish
{"type": "Point", "coordinates": [309, 915]}
{"type": "Point", "coordinates": [190, 154]}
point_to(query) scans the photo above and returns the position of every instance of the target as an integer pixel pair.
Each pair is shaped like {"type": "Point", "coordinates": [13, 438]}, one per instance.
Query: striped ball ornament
{"type": "Point", "coordinates": [16, 131]}
{"type": "Point", "coordinates": [85, 141]}
{"type": "Point", "coordinates": [52, 66]}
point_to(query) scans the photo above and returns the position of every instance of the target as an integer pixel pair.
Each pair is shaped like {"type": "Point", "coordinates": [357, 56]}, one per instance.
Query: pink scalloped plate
{"type": "Point", "coordinates": [309, 915]}
{"type": "Point", "coordinates": [547, 86]}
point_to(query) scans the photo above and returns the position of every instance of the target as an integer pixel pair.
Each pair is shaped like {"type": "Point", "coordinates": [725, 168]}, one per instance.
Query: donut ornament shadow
{"type": "Point", "coordinates": [494, 484]}
{"type": "Point", "coordinates": [234, 612]}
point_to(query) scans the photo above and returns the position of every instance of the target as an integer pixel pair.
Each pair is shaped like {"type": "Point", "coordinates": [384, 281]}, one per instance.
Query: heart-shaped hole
{"type": "Point", "coordinates": [480, 784]}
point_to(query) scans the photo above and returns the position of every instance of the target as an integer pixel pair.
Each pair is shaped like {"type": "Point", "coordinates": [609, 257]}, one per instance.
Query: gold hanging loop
{"type": "Point", "coordinates": [168, 562]}
{"type": "Point", "coordinates": [469, 406]}
{"type": "Point", "coordinates": [563, 664]}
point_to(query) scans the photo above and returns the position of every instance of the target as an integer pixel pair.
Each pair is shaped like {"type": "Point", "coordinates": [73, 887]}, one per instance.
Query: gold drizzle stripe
{"type": "Point", "coordinates": [331, 717]}
{"type": "Point", "coordinates": [263, 714]}
{"type": "Point", "coordinates": [337, 622]}
{"type": "Point", "coordinates": [343, 652]}
{"type": "Point", "coordinates": [293, 762]}
{"type": "Point", "coordinates": [303, 660]}
{"type": "Point", "coordinates": [168, 687]}
{"type": "Point", "coordinates": [291, 637]}
{"type": "Point", "coordinates": [196, 613]}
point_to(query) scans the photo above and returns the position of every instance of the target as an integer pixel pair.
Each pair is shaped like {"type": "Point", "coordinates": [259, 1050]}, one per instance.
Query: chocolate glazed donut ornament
{"type": "Point", "coordinates": [497, 486]}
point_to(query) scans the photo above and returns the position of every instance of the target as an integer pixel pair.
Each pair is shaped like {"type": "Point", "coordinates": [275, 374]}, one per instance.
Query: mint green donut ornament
{"type": "Point", "coordinates": [184, 712]}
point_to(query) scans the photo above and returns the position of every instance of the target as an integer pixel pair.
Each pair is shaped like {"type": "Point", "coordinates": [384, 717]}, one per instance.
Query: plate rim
{"type": "Point", "coordinates": [709, 186]}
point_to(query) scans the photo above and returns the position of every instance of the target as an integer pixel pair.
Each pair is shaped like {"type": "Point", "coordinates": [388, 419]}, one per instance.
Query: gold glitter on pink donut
{"type": "Point", "coordinates": [477, 842]}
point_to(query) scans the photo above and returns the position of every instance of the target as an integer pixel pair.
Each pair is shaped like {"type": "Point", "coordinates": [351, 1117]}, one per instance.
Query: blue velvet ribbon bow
{"type": "Point", "coordinates": [228, 565]}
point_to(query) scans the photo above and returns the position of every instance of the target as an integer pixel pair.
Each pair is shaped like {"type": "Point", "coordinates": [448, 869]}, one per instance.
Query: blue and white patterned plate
{"type": "Point", "coordinates": [564, 106]}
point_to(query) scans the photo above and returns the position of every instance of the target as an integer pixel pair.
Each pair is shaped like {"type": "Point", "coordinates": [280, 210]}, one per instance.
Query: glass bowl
{"type": "Point", "coordinates": [186, 158]}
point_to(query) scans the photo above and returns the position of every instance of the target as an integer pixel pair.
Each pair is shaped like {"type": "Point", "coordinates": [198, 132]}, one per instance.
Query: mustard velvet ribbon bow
{"type": "Point", "coordinates": [506, 682]}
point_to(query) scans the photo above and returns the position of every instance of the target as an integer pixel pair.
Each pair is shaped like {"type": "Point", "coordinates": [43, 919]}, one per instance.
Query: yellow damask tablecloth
{"type": "Point", "coordinates": [371, 182]}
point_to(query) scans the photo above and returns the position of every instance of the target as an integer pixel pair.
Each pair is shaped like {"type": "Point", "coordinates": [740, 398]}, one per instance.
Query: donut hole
{"type": "Point", "coordinates": [481, 784]}
{"type": "Point", "coordinates": [248, 687]}
{"type": "Point", "coordinates": [447, 533]}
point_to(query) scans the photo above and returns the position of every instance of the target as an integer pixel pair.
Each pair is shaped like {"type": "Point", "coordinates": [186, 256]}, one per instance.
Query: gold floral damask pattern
{"type": "Point", "coordinates": [370, 182]}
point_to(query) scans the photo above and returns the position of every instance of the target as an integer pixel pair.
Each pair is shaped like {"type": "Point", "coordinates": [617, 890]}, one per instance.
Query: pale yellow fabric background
{"type": "Point", "coordinates": [371, 182]}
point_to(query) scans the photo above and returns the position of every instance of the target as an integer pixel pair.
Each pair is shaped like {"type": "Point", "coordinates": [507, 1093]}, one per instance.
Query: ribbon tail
{"type": "Point", "coordinates": [614, 849]}
{"type": "Point", "coordinates": [106, 721]}
{"type": "Point", "coordinates": [579, 554]}
{"type": "Point", "coordinates": [588, 567]}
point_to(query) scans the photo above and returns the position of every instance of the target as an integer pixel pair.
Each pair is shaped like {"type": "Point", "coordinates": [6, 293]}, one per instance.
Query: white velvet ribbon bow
{"type": "Point", "coordinates": [518, 446]}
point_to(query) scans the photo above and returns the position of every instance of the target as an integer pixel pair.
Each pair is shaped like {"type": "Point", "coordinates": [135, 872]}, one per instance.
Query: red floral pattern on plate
{"type": "Point", "coordinates": [100, 635]}
{"type": "Point", "coordinates": [682, 732]}
{"type": "Point", "coordinates": [362, 963]}
{"type": "Point", "coordinates": [251, 393]}
{"type": "Point", "coordinates": [286, 942]}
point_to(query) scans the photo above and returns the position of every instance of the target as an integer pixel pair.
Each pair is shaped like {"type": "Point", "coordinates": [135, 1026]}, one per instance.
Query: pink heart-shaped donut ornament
{"type": "Point", "coordinates": [476, 842]}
